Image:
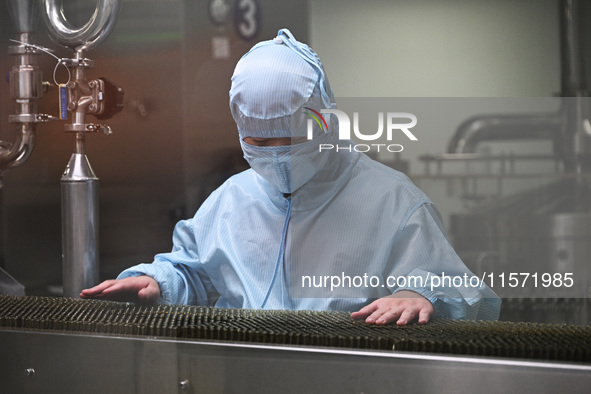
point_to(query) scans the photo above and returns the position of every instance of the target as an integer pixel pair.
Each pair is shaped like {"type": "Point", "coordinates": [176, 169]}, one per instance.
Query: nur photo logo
{"type": "Point", "coordinates": [394, 122]}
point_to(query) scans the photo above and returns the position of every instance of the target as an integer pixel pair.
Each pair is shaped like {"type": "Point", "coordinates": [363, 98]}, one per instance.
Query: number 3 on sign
{"type": "Point", "coordinates": [247, 18]}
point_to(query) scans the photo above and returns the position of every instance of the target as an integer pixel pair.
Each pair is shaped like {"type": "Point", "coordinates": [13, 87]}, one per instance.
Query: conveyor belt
{"type": "Point", "coordinates": [330, 329]}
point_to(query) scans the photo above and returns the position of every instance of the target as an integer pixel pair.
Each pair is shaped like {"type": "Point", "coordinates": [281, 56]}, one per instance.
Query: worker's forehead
{"type": "Point", "coordinates": [272, 81]}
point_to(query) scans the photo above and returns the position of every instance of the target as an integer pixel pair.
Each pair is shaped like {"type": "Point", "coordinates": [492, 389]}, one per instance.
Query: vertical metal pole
{"type": "Point", "coordinates": [80, 217]}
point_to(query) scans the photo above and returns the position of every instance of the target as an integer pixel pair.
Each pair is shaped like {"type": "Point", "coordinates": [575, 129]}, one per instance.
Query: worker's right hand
{"type": "Point", "coordinates": [143, 289]}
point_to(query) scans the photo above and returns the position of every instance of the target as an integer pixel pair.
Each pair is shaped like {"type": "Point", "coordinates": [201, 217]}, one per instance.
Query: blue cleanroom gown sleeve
{"type": "Point", "coordinates": [436, 272]}
{"type": "Point", "coordinates": [179, 273]}
{"type": "Point", "coordinates": [224, 256]}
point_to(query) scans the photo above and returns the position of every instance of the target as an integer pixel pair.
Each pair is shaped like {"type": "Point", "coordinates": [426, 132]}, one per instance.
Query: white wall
{"type": "Point", "coordinates": [438, 48]}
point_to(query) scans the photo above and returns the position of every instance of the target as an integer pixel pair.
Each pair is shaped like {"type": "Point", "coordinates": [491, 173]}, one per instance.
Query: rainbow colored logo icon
{"type": "Point", "coordinates": [318, 118]}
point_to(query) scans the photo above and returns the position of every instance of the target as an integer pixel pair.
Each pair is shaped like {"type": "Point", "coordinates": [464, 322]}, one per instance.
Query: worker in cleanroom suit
{"type": "Point", "coordinates": [306, 228]}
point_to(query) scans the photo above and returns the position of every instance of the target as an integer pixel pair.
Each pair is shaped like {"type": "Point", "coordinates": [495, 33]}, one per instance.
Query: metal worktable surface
{"type": "Point", "coordinates": [53, 362]}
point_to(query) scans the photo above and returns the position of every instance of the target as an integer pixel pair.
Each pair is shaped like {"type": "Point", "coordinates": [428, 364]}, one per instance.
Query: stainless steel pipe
{"type": "Point", "coordinates": [25, 90]}
{"type": "Point", "coordinates": [89, 35]}
{"type": "Point", "coordinates": [79, 189]}
{"type": "Point", "coordinates": [14, 154]}
{"type": "Point", "coordinates": [24, 14]}
{"type": "Point", "coordinates": [572, 69]}
{"type": "Point", "coordinates": [80, 238]}
{"type": "Point", "coordinates": [504, 127]}
{"type": "Point", "coordinates": [576, 133]}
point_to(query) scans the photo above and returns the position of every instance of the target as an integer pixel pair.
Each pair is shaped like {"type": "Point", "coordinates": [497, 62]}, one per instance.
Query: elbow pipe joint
{"type": "Point", "coordinates": [14, 154]}
{"type": "Point", "coordinates": [479, 129]}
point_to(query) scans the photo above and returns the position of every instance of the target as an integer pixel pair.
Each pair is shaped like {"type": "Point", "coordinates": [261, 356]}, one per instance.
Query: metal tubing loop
{"type": "Point", "coordinates": [90, 34]}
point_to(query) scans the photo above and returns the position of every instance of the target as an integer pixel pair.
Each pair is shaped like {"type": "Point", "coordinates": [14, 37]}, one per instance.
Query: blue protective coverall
{"type": "Point", "coordinates": [355, 231]}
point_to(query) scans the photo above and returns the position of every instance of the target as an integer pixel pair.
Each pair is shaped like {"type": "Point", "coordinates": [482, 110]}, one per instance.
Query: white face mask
{"type": "Point", "coordinates": [287, 167]}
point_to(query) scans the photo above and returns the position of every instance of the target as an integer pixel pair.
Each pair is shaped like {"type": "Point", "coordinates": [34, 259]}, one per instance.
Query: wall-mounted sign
{"type": "Point", "coordinates": [247, 18]}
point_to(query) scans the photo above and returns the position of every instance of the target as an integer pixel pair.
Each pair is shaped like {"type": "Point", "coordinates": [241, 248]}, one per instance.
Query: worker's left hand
{"type": "Point", "coordinates": [141, 288]}
{"type": "Point", "coordinates": [402, 307]}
